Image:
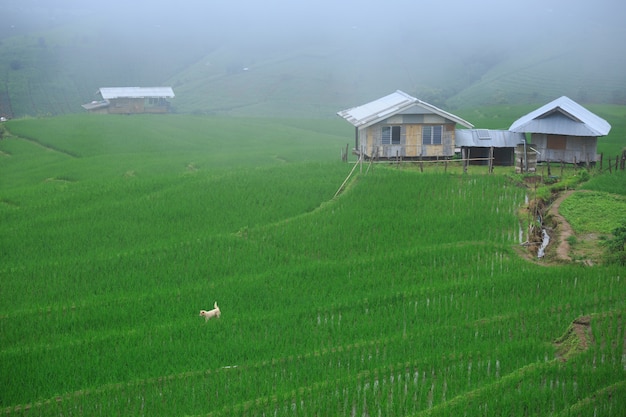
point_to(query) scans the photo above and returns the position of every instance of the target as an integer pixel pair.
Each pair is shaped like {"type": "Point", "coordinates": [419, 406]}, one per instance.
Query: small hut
{"type": "Point", "coordinates": [563, 130]}
{"type": "Point", "coordinates": [131, 100]}
{"type": "Point", "coordinates": [488, 147]}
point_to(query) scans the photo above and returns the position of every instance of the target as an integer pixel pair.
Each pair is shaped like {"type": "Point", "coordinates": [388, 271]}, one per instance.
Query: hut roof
{"type": "Point", "coordinates": [389, 105]}
{"type": "Point", "coordinates": [109, 93]}
{"type": "Point", "coordinates": [94, 105]}
{"type": "Point", "coordinates": [486, 138]}
{"type": "Point", "coordinates": [562, 116]}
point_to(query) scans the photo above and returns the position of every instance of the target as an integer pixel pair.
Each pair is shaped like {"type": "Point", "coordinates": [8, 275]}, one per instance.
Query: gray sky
{"type": "Point", "coordinates": [488, 21]}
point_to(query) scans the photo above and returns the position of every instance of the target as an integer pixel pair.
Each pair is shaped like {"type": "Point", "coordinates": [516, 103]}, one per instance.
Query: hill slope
{"type": "Point", "coordinates": [53, 66]}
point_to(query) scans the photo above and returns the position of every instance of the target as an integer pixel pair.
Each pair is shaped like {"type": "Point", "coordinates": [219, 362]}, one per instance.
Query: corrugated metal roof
{"type": "Point", "coordinates": [486, 138]}
{"type": "Point", "coordinates": [136, 92]}
{"type": "Point", "coordinates": [95, 105]}
{"type": "Point", "coordinates": [394, 103]}
{"type": "Point", "coordinates": [562, 116]}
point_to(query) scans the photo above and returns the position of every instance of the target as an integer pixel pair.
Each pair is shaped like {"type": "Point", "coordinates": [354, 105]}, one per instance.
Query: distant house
{"type": "Point", "coordinates": [481, 145]}
{"type": "Point", "coordinates": [129, 100]}
{"type": "Point", "coordinates": [563, 130]}
{"type": "Point", "coordinates": [399, 125]}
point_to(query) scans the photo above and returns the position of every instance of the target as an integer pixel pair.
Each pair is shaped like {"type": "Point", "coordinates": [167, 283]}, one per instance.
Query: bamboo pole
{"type": "Point", "coordinates": [358, 163]}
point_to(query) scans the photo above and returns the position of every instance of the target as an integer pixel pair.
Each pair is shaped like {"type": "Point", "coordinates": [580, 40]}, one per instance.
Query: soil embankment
{"type": "Point", "coordinates": [561, 228]}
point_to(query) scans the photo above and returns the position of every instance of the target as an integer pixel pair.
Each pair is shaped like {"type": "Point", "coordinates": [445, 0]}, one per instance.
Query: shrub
{"type": "Point", "coordinates": [615, 245]}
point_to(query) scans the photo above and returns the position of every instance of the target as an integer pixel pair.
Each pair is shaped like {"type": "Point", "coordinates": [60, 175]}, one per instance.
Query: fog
{"type": "Point", "coordinates": [444, 34]}
{"type": "Point", "coordinates": [477, 23]}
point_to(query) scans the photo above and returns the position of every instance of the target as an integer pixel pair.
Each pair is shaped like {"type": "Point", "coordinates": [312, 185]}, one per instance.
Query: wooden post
{"type": "Point", "coordinates": [491, 159]}
{"type": "Point", "coordinates": [548, 165]}
{"type": "Point", "coordinates": [421, 164]}
{"type": "Point", "coordinates": [361, 160]}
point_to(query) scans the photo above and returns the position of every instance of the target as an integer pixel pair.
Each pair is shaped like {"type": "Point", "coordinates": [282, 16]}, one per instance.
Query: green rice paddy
{"type": "Point", "coordinates": [404, 295]}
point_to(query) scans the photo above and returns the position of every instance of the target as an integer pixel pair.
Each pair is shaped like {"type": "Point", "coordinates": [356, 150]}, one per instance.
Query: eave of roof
{"type": "Point", "coordinates": [109, 93]}
{"type": "Point", "coordinates": [95, 105]}
{"type": "Point", "coordinates": [389, 105]}
{"type": "Point", "coordinates": [486, 138]}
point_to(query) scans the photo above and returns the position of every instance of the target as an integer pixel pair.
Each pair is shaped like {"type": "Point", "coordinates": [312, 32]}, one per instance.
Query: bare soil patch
{"type": "Point", "coordinates": [577, 339]}
{"type": "Point", "coordinates": [562, 230]}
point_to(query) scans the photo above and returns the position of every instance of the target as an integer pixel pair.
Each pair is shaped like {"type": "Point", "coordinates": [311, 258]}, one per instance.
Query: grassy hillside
{"type": "Point", "coordinates": [402, 296]}
{"type": "Point", "coordinates": [51, 69]}
{"type": "Point", "coordinates": [54, 71]}
{"type": "Point", "coordinates": [581, 67]}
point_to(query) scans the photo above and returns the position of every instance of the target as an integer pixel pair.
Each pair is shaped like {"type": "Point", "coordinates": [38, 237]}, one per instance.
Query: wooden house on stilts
{"type": "Point", "coordinates": [401, 126]}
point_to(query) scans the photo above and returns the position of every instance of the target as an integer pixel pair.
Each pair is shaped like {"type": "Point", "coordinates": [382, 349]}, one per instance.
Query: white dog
{"type": "Point", "coordinates": [211, 313]}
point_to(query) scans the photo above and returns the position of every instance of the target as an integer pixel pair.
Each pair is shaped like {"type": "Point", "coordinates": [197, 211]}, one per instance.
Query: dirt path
{"type": "Point", "coordinates": [562, 228]}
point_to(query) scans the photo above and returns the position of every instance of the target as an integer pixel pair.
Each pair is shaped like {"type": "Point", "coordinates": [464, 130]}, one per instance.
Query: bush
{"type": "Point", "coordinates": [615, 245]}
{"type": "Point", "coordinates": [583, 175]}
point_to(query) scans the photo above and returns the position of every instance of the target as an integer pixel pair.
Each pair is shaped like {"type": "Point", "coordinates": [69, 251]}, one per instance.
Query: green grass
{"type": "Point", "coordinates": [614, 183]}
{"type": "Point", "coordinates": [404, 295]}
{"type": "Point", "coordinates": [594, 211]}
{"type": "Point", "coordinates": [600, 207]}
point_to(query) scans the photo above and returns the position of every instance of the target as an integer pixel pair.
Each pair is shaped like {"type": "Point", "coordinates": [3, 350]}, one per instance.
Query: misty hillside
{"type": "Point", "coordinates": [304, 62]}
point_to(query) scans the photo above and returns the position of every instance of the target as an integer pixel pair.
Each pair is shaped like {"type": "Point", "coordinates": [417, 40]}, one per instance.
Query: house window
{"type": "Point", "coordinates": [556, 142]}
{"type": "Point", "coordinates": [391, 135]}
{"type": "Point", "coordinates": [431, 135]}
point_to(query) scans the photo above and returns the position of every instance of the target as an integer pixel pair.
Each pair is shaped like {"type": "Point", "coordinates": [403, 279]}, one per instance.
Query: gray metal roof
{"type": "Point", "coordinates": [562, 116]}
{"type": "Point", "coordinates": [95, 105]}
{"type": "Point", "coordinates": [136, 92]}
{"type": "Point", "coordinates": [486, 138]}
{"type": "Point", "coordinates": [394, 103]}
